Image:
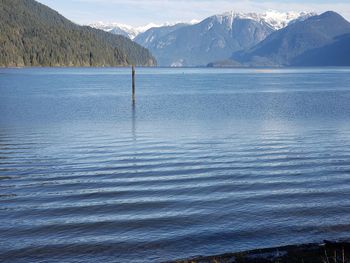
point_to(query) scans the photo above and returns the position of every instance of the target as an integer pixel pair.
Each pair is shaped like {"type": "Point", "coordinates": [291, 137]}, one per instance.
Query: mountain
{"type": "Point", "coordinates": [116, 29]}
{"type": "Point", "coordinates": [279, 20]}
{"type": "Point", "coordinates": [155, 33]}
{"type": "Point", "coordinates": [122, 29]}
{"type": "Point", "coordinates": [319, 40]}
{"type": "Point", "coordinates": [334, 54]}
{"type": "Point", "coordinates": [31, 34]}
{"type": "Point", "coordinates": [215, 38]}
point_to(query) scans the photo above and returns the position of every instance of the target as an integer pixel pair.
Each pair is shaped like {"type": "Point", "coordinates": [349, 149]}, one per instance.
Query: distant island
{"type": "Point", "coordinates": [32, 34]}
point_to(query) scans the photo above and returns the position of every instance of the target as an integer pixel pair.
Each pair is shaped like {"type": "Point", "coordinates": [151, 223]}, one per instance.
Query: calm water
{"type": "Point", "coordinates": [207, 161]}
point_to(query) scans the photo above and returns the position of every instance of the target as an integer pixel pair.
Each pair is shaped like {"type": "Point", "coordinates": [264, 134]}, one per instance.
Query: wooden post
{"type": "Point", "coordinates": [133, 82]}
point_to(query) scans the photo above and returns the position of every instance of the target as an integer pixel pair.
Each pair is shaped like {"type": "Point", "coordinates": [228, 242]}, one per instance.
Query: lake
{"type": "Point", "coordinates": [206, 161]}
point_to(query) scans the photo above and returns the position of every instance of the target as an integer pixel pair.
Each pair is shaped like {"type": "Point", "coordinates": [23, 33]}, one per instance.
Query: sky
{"type": "Point", "coordinates": [142, 12]}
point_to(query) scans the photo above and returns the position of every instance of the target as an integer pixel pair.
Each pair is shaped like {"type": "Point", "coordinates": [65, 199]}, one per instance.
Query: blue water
{"type": "Point", "coordinates": [206, 161]}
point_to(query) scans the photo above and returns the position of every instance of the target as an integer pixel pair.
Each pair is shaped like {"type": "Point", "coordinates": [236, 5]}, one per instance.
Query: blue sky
{"type": "Point", "coordinates": [141, 12]}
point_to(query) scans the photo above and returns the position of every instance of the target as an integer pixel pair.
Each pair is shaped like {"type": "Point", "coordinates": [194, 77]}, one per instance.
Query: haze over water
{"type": "Point", "coordinates": [207, 161]}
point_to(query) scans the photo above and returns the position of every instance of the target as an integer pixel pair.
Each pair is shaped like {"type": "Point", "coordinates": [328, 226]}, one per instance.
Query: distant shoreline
{"type": "Point", "coordinates": [74, 67]}
{"type": "Point", "coordinates": [168, 67]}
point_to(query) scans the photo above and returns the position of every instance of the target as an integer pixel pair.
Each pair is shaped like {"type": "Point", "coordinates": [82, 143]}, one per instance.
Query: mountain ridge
{"type": "Point", "coordinates": [275, 19]}
{"type": "Point", "coordinates": [131, 31]}
{"type": "Point", "coordinates": [287, 47]}
{"type": "Point", "coordinates": [124, 29]}
{"type": "Point", "coordinates": [214, 38]}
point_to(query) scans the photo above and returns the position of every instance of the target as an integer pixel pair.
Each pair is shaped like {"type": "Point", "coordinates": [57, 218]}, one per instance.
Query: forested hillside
{"type": "Point", "coordinates": [32, 34]}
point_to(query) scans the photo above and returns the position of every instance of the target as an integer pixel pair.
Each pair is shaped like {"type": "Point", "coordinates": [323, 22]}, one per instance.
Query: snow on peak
{"type": "Point", "coordinates": [131, 31]}
{"type": "Point", "coordinates": [277, 20]}
{"type": "Point", "coordinates": [116, 28]}
{"type": "Point", "coordinates": [144, 28]}
{"type": "Point", "coordinates": [194, 21]}
{"type": "Point", "coordinates": [124, 29]}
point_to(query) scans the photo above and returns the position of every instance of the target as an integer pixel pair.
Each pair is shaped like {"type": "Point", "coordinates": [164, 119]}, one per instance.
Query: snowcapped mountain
{"type": "Point", "coordinates": [318, 41]}
{"type": "Point", "coordinates": [201, 42]}
{"type": "Point", "coordinates": [127, 30]}
{"type": "Point", "coordinates": [122, 29]}
{"type": "Point", "coordinates": [276, 20]}
{"type": "Point", "coordinates": [279, 20]}
{"type": "Point", "coordinates": [214, 38]}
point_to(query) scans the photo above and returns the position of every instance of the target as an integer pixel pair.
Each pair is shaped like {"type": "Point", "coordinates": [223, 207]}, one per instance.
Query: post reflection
{"type": "Point", "coordinates": [133, 120]}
